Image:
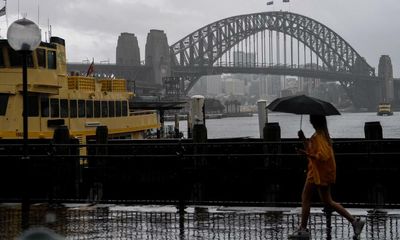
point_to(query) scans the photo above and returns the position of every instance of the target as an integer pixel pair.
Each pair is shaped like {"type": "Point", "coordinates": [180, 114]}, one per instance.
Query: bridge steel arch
{"type": "Point", "coordinates": [203, 47]}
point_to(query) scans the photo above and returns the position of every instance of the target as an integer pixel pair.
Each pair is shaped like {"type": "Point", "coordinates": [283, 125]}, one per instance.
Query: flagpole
{"type": "Point", "coordinates": [38, 12]}
{"type": "Point", "coordinates": [5, 2]}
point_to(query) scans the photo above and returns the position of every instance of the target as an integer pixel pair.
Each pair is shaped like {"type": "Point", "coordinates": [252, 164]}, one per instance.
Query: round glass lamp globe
{"type": "Point", "coordinates": [24, 35]}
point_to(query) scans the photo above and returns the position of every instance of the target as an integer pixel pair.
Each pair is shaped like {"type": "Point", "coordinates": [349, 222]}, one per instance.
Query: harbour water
{"type": "Point", "coordinates": [347, 125]}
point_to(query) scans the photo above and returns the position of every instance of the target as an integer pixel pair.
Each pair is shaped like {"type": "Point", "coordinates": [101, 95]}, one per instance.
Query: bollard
{"type": "Point", "coordinates": [199, 130]}
{"type": "Point", "coordinates": [176, 127]}
{"type": "Point", "coordinates": [161, 132]}
{"type": "Point", "coordinates": [262, 116]}
{"type": "Point", "coordinates": [197, 110]}
{"type": "Point", "coordinates": [272, 132]}
{"type": "Point", "coordinates": [61, 135]}
{"type": "Point", "coordinates": [99, 164]}
{"type": "Point", "coordinates": [59, 164]}
{"type": "Point", "coordinates": [199, 133]}
{"type": "Point", "coordinates": [189, 126]}
{"type": "Point", "coordinates": [101, 138]}
{"type": "Point", "coordinates": [373, 131]}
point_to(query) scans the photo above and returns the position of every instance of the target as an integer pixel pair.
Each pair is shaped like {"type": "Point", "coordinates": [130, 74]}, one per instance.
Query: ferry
{"type": "Point", "coordinates": [55, 98]}
{"type": "Point", "coordinates": [384, 109]}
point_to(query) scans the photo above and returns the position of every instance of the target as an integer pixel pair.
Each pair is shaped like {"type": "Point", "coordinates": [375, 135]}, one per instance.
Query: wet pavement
{"type": "Point", "coordinates": [84, 221]}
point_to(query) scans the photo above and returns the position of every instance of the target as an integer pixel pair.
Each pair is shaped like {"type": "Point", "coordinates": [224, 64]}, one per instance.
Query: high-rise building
{"type": "Point", "coordinates": [234, 87]}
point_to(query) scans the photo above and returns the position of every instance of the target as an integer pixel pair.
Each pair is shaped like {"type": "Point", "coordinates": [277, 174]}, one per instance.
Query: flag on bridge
{"type": "Point", "coordinates": [270, 2]}
{"type": "Point", "coordinates": [286, 1]}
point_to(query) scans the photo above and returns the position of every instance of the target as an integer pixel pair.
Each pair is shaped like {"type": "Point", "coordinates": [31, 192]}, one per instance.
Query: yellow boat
{"type": "Point", "coordinates": [384, 109]}
{"type": "Point", "coordinates": [78, 102]}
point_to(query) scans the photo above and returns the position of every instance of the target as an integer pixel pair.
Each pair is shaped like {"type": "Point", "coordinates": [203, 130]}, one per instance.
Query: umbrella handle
{"type": "Point", "coordinates": [301, 120]}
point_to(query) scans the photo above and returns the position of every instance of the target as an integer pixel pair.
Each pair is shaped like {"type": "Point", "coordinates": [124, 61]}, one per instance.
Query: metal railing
{"type": "Point", "coordinates": [242, 172]}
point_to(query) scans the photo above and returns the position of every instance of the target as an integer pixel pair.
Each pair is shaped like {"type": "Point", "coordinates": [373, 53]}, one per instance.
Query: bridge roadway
{"type": "Point", "coordinates": [322, 74]}
{"type": "Point", "coordinates": [142, 74]}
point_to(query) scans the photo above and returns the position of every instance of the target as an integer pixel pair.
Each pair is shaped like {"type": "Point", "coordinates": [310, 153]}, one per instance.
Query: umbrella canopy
{"type": "Point", "coordinates": [303, 104]}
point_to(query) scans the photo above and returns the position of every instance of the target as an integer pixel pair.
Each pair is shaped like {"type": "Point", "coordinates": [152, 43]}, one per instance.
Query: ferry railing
{"type": "Point", "coordinates": [141, 112]}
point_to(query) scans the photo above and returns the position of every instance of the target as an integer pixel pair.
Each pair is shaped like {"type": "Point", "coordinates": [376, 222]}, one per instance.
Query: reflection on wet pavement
{"type": "Point", "coordinates": [83, 221]}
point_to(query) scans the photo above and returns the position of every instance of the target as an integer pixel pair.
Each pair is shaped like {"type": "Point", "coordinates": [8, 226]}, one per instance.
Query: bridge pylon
{"type": "Point", "coordinates": [385, 71]}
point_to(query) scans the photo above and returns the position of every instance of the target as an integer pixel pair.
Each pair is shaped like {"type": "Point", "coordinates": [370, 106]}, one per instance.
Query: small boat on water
{"type": "Point", "coordinates": [384, 109]}
{"type": "Point", "coordinates": [79, 102]}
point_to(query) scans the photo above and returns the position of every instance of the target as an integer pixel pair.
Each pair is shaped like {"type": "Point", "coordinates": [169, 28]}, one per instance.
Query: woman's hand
{"type": "Point", "coordinates": [301, 135]}
{"type": "Point", "coordinates": [301, 151]}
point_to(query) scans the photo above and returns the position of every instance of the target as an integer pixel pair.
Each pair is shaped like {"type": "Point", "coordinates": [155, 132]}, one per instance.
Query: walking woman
{"type": "Point", "coordinates": [321, 174]}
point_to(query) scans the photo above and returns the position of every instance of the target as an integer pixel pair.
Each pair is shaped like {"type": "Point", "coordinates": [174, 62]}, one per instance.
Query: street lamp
{"type": "Point", "coordinates": [24, 37]}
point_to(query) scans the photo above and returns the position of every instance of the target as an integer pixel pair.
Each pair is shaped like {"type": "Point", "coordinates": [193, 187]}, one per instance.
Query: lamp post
{"type": "Point", "coordinates": [24, 37]}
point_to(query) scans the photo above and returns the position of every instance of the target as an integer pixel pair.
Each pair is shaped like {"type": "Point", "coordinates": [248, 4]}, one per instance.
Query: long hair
{"type": "Point", "coordinates": [320, 125]}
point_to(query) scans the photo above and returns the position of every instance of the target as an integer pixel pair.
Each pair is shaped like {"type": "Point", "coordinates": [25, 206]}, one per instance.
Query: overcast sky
{"type": "Point", "coordinates": [91, 27]}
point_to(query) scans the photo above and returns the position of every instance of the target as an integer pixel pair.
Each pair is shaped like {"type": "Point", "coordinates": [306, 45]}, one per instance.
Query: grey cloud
{"type": "Point", "coordinates": [370, 26]}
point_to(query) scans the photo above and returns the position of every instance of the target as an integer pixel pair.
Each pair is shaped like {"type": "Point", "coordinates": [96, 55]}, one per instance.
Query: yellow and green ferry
{"type": "Point", "coordinates": [55, 98]}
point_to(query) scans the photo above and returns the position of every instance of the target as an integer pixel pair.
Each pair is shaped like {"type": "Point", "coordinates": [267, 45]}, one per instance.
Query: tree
{"type": "Point", "coordinates": [213, 106]}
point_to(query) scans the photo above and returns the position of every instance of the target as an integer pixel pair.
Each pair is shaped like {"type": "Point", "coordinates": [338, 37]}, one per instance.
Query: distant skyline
{"type": "Point", "coordinates": [91, 27]}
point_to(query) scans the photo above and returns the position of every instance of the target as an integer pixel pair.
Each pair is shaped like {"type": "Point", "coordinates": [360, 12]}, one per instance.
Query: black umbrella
{"type": "Point", "coordinates": [303, 104]}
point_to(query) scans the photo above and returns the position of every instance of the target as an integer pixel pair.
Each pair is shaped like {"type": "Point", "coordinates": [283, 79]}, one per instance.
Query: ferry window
{"type": "Point", "coordinates": [44, 107]}
{"type": "Point", "coordinates": [33, 106]}
{"type": "Point", "coordinates": [111, 109]}
{"type": "Point", "coordinates": [104, 108]}
{"type": "Point", "coordinates": [3, 104]}
{"type": "Point", "coordinates": [96, 109]}
{"type": "Point", "coordinates": [51, 60]}
{"type": "Point", "coordinates": [81, 108]}
{"type": "Point", "coordinates": [41, 57]}
{"type": "Point", "coordinates": [16, 58]}
{"type": "Point", "coordinates": [73, 109]}
{"type": "Point", "coordinates": [89, 108]}
{"type": "Point", "coordinates": [64, 108]}
{"type": "Point", "coordinates": [124, 108]}
{"type": "Point", "coordinates": [54, 108]}
{"type": "Point", "coordinates": [118, 108]}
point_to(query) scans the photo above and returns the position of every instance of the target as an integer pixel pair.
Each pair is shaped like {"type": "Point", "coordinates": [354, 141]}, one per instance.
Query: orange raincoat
{"type": "Point", "coordinates": [321, 160]}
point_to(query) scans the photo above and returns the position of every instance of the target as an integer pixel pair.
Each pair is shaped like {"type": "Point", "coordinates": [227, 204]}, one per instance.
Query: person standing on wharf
{"type": "Point", "coordinates": [321, 174]}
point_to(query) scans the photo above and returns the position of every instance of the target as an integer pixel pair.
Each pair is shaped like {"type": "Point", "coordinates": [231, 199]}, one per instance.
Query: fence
{"type": "Point", "coordinates": [234, 172]}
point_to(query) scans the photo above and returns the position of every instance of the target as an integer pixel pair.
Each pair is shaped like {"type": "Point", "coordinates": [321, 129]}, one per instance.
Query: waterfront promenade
{"type": "Point", "coordinates": [119, 176]}
{"type": "Point", "coordinates": [83, 221]}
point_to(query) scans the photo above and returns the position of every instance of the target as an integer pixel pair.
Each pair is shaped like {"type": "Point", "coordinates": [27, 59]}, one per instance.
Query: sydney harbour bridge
{"type": "Point", "coordinates": [274, 43]}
